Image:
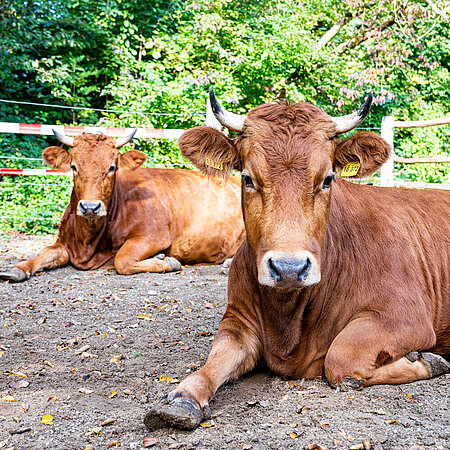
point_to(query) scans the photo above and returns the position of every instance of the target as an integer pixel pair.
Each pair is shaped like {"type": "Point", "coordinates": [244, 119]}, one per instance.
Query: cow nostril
{"type": "Point", "coordinates": [274, 270]}
{"type": "Point", "coordinates": [96, 210]}
{"type": "Point", "coordinates": [303, 270]}
{"type": "Point", "coordinates": [82, 208]}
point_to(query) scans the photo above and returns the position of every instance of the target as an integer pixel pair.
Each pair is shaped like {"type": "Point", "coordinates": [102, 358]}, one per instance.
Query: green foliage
{"type": "Point", "coordinates": [155, 59]}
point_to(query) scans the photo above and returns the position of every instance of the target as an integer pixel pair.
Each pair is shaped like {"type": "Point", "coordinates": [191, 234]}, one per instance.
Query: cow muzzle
{"type": "Point", "coordinates": [288, 270]}
{"type": "Point", "coordinates": [91, 209]}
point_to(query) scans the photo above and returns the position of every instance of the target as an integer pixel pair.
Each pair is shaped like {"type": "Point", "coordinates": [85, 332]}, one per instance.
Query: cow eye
{"type": "Point", "coordinates": [328, 180]}
{"type": "Point", "coordinates": [112, 169]}
{"type": "Point", "coordinates": [247, 180]}
{"type": "Point", "coordinates": [74, 169]}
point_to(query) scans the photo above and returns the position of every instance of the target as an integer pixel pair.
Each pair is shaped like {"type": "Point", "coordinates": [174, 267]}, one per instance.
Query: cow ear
{"type": "Point", "coordinates": [57, 157]}
{"type": "Point", "coordinates": [368, 149]}
{"type": "Point", "coordinates": [132, 159]}
{"type": "Point", "coordinates": [210, 151]}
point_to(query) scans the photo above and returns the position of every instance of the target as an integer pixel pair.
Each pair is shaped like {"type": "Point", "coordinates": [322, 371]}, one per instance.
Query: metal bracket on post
{"type": "Point", "coordinates": [387, 169]}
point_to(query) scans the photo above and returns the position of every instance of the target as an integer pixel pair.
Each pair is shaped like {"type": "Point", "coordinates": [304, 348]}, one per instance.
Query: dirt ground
{"type": "Point", "coordinates": [84, 347]}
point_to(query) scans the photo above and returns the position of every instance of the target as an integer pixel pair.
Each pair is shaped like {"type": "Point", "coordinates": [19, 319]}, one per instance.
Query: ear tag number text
{"type": "Point", "coordinates": [214, 164]}
{"type": "Point", "coordinates": [351, 169]}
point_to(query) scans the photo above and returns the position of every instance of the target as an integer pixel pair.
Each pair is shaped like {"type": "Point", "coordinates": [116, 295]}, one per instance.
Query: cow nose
{"type": "Point", "coordinates": [282, 269]}
{"type": "Point", "coordinates": [92, 207]}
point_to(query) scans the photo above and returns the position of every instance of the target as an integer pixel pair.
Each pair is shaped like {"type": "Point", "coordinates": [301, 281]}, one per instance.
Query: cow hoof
{"type": "Point", "coordinates": [350, 383]}
{"type": "Point", "coordinates": [14, 274]}
{"type": "Point", "coordinates": [174, 264]}
{"type": "Point", "coordinates": [181, 412]}
{"type": "Point", "coordinates": [437, 364]}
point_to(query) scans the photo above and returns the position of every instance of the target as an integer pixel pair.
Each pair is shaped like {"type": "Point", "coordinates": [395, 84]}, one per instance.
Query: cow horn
{"type": "Point", "coordinates": [351, 121]}
{"type": "Point", "coordinates": [122, 141]}
{"type": "Point", "coordinates": [63, 138]}
{"type": "Point", "coordinates": [228, 119]}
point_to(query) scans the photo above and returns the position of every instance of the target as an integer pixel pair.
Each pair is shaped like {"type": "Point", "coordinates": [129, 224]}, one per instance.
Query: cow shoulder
{"type": "Point", "coordinates": [369, 149]}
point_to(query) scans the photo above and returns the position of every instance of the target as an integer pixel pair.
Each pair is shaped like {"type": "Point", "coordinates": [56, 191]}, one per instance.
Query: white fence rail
{"type": "Point", "coordinates": [388, 125]}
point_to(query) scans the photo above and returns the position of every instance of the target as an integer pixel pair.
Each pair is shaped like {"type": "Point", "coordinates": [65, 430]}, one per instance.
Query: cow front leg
{"type": "Point", "coordinates": [51, 257]}
{"type": "Point", "coordinates": [365, 353]}
{"type": "Point", "coordinates": [141, 255]}
{"type": "Point", "coordinates": [235, 351]}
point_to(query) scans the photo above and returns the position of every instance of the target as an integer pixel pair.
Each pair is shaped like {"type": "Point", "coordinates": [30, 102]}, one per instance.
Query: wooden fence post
{"type": "Point", "coordinates": [387, 133]}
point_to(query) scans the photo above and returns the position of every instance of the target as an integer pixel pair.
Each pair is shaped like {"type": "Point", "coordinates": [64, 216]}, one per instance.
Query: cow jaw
{"type": "Point", "coordinates": [284, 270]}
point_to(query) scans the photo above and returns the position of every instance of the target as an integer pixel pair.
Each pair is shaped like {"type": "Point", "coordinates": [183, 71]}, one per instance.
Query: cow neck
{"type": "Point", "coordinates": [280, 313]}
{"type": "Point", "coordinates": [90, 232]}
{"type": "Point", "coordinates": [283, 316]}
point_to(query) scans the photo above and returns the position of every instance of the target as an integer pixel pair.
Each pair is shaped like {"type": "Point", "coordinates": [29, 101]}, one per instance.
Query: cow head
{"type": "Point", "coordinates": [94, 160]}
{"type": "Point", "coordinates": [289, 156]}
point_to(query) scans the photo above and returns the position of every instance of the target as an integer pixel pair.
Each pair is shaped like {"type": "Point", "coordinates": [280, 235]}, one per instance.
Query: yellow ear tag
{"type": "Point", "coordinates": [351, 169]}
{"type": "Point", "coordinates": [214, 164]}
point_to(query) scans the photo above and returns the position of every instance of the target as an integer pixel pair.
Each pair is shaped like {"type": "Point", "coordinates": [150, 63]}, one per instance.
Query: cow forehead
{"type": "Point", "coordinates": [285, 138]}
{"type": "Point", "coordinates": [94, 149]}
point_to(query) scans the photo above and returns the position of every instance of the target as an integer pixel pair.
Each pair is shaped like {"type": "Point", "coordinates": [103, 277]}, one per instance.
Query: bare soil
{"type": "Point", "coordinates": [136, 332]}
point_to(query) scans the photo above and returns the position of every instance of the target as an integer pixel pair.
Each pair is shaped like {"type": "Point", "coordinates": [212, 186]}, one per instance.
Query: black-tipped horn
{"type": "Point", "coordinates": [63, 138]}
{"type": "Point", "coordinates": [228, 119]}
{"type": "Point", "coordinates": [351, 121]}
{"type": "Point", "coordinates": [122, 141]}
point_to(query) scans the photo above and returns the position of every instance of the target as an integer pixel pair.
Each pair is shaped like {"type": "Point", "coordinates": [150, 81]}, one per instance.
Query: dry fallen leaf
{"type": "Point", "coordinates": [8, 398]}
{"type": "Point", "coordinates": [52, 397]}
{"type": "Point", "coordinates": [144, 316]}
{"type": "Point", "coordinates": [116, 359]}
{"type": "Point", "coordinates": [42, 320]}
{"type": "Point", "coordinates": [25, 407]}
{"type": "Point", "coordinates": [82, 349]}
{"type": "Point", "coordinates": [149, 441]}
{"type": "Point", "coordinates": [16, 374]}
{"type": "Point", "coordinates": [293, 435]}
{"type": "Point", "coordinates": [113, 444]}
{"type": "Point", "coordinates": [103, 423]}
{"type": "Point", "coordinates": [85, 390]}
{"type": "Point", "coordinates": [88, 355]}
{"type": "Point", "coordinates": [95, 430]}
{"type": "Point", "coordinates": [47, 419]}
{"type": "Point", "coordinates": [344, 435]}
{"type": "Point", "coordinates": [48, 363]}
{"type": "Point", "coordinates": [113, 394]}
{"type": "Point", "coordinates": [390, 422]}
{"type": "Point", "coordinates": [209, 424]}
{"type": "Point", "coordinates": [314, 447]}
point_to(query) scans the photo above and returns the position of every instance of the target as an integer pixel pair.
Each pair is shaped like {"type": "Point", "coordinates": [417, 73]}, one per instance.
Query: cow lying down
{"type": "Point", "coordinates": [336, 280]}
{"type": "Point", "coordinates": [136, 219]}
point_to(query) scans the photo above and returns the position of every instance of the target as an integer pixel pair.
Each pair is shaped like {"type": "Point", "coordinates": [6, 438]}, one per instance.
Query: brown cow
{"type": "Point", "coordinates": [340, 280]}
{"type": "Point", "coordinates": [121, 215]}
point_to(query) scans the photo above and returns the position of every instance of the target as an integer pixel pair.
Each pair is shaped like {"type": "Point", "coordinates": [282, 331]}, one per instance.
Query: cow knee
{"type": "Point", "coordinates": [123, 267]}
{"type": "Point", "coordinates": [342, 369]}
